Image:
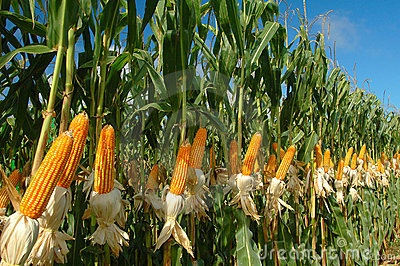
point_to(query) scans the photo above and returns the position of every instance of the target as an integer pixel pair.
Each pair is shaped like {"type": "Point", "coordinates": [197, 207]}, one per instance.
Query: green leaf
{"type": "Point", "coordinates": [30, 49]}
{"type": "Point", "coordinates": [246, 250]}
{"type": "Point", "coordinates": [25, 24]}
{"type": "Point", "coordinates": [266, 35]}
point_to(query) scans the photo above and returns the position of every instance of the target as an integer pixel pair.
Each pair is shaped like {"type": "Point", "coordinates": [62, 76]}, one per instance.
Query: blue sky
{"type": "Point", "coordinates": [367, 33]}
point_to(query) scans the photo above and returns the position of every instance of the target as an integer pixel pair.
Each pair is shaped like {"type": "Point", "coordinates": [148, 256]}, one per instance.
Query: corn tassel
{"type": "Point", "coordinates": [286, 161]}
{"type": "Point", "coordinates": [251, 154]}
{"type": "Point", "coordinates": [104, 162]}
{"type": "Point", "coordinates": [43, 184]}
{"type": "Point", "coordinates": [348, 157]}
{"type": "Point", "coordinates": [80, 128]}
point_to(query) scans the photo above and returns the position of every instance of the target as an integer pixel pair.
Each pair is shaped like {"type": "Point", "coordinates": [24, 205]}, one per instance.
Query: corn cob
{"type": "Point", "coordinates": [380, 166]}
{"type": "Point", "coordinates": [104, 162]}
{"type": "Point", "coordinates": [282, 151]}
{"type": "Point", "coordinates": [370, 159]}
{"type": "Point", "coordinates": [251, 154]}
{"type": "Point", "coordinates": [14, 178]}
{"type": "Point", "coordinates": [362, 152]}
{"type": "Point", "coordinates": [197, 151]}
{"type": "Point", "coordinates": [271, 165]}
{"type": "Point", "coordinates": [80, 128]}
{"type": "Point", "coordinates": [354, 162]}
{"type": "Point", "coordinates": [327, 159]}
{"type": "Point", "coordinates": [383, 157]}
{"type": "Point", "coordinates": [179, 178]}
{"type": "Point", "coordinates": [318, 156]}
{"type": "Point", "coordinates": [286, 161]}
{"type": "Point", "coordinates": [365, 165]}
{"type": "Point", "coordinates": [348, 157]}
{"type": "Point", "coordinates": [339, 173]}
{"type": "Point", "coordinates": [52, 167]}
{"type": "Point", "coordinates": [152, 180]}
{"type": "Point", "coordinates": [212, 158]}
{"type": "Point", "coordinates": [233, 158]}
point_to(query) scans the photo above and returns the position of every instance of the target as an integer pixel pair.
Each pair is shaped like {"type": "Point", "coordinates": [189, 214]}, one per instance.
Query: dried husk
{"type": "Point", "coordinates": [339, 192]}
{"type": "Point", "coordinates": [173, 206]}
{"type": "Point", "coordinates": [295, 185]}
{"type": "Point", "coordinates": [18, 238]}
{"type": "Point", "coordinates": [354, 195]}
{"type": "Point", "coordinates": [321, 185]}
{"type": "Point", "coordinates": [196, 192]}
{"type": "Point", "coordinates": [246, 185]}
{"type": "Point", "coordinates": [106, 207]}
{"type": "Point", "coordinates": [51, 244]}
{"type": "Point", "coordinates": [151, 198]}
{"type": "Point", "coordinates": [274, 202]}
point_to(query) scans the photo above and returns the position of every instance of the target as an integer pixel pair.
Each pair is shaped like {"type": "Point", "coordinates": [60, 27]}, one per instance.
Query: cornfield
{"type": "Point", "coordinates": [194, 133]}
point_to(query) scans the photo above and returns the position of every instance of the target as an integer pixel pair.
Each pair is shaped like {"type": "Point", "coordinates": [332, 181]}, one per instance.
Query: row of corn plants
{"type": "Point", "coordinates": [194, 133]}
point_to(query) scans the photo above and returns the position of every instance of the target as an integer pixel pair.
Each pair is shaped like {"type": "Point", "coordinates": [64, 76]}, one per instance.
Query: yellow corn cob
{"type": "Point", "coordinates": [380, 167]}
{"type": "Point", "coordinates": [339, 173]}
{"type": "Point", "coordinates": [14, 178]}
{"type": "Point", "coordinates": [282, 151]}
{"type": "Point", "coordinates": [270, 168]}
{"type": "Point", "coordinates": [152, 180]}
{"type": "Point", "coordinates": [370, 159]}
{"type": "Point", "coordinates": [365, 165]}
{"type": "Point", "coordinates": [318, 156]}
{"type": "Point", "coordinates": [327, 159]}
{"type": "Point", "coordinates": [251, 154]}
{"type": "Point", "coordinates": [362, 152]}
{"type": "Point", "coordinates": [179, 178]}
{"type": "Point", "coordinates": [383, 157]}
{"type": "Point", "coordinates": [348, 157]}
{"type": "Point", "coordinates": [212, 158]}
{"type": "Point", "coordinates": [354, 162]}
{"type": "Point", "coordinates": [308, 166]}
{"type": "Point", "coordinates": [80, 128]}
{"type": "Point", "coordinates": [104, 162]}
{"type": "Point", "coordinates": [233, 158]}
{"type": "Point", "coordinates": [197, 151]}
{"type": "Point", "coordinates": [286, 161]}
{"type": "Point", "coordinates": [38, 193]}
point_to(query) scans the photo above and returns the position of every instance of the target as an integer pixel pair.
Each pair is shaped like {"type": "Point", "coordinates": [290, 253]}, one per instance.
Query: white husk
{"type": "Point", "coordinates": [354, 195]}
{"type": "Point", "coordinates": [152, 199]}
{"type": "Point", "coordinates": [106, 207]}
{"type": "Point", "coordinates": [339, 192]}
{"type": "Point", "coordinates": [3, 218]}
{"type": "Point", "coordinates": [346, 176]}
{"type": "Point", "coordinates": [194, 201]}
{"type": "Point", "coordinates": [274, 203]}
{"type": "Point", "coordinates": [18, 238]}
{"type": "Point", "coordinates": [321, 185]}
{"type": "Point", "coordinates": [88, 185]}
{"type": "Point", "coordinates": [246, 185]}
{"type": "Point", "coordinates": [51, 244]}
{"type": "Point", "coordinates": [173, 206]}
